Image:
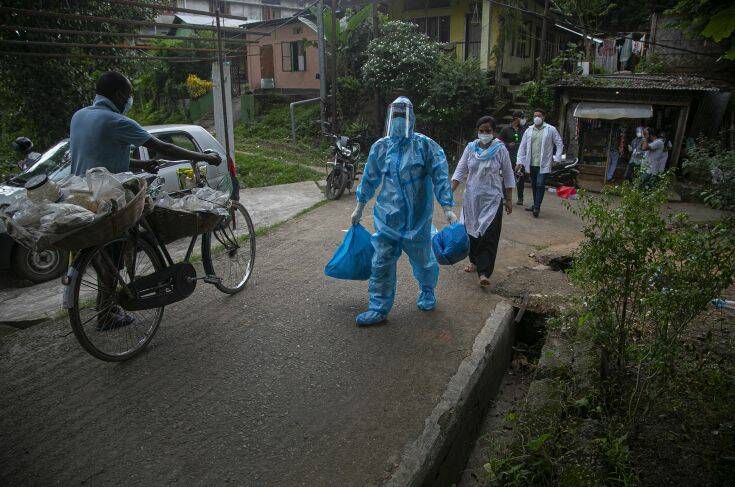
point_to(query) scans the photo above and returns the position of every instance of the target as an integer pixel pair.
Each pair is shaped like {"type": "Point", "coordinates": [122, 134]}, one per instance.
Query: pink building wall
{"type": "Point", "coordinates": [285, 79]}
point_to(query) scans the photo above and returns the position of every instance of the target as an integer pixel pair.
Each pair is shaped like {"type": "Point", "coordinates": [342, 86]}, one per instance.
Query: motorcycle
{"type": "Point", "coordinates": [564, 173]}
{"type": "Point", "coordinates": [344, 166]}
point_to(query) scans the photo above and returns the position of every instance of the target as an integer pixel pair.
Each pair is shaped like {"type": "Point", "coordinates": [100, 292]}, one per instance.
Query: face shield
{"type": "Point", "coordinates": [400, 120]}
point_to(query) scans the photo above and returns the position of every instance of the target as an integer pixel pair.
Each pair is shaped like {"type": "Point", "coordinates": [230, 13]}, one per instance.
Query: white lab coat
{"type": "Point", "coordinates": [550, 139]}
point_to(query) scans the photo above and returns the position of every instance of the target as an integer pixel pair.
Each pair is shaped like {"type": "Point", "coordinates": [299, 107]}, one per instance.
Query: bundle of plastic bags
{"type": "Point", "coordinates": [353, 259]}
{"type": "Point", "coordinates": [46, 208]}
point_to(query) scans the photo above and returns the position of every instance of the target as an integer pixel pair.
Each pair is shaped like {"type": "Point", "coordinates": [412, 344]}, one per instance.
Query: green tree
{"type": "Point", "coordinates": [588, 15]}
{"type": "Point", "coordinates": [710, 19]}
{"type": "Point", "coordinates": [39, 94]}
{"type": "Point", "coordinates": [401, 58]}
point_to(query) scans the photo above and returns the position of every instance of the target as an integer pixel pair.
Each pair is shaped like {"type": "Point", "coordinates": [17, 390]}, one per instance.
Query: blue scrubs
{"type": "Point", "coordinates": [412, 168]}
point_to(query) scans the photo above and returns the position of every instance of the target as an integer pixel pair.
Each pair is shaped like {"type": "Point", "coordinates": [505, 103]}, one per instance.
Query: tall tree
{"type": "Point", "coordinates": [38, 95]}
{"type": "Point", "coordinates": [710, 19]}
{"type": "Point", "coordinates": [587, 15]}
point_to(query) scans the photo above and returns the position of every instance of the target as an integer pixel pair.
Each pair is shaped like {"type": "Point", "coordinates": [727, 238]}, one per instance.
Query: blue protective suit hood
{"type": "Point", "coordinates": [400, 120]}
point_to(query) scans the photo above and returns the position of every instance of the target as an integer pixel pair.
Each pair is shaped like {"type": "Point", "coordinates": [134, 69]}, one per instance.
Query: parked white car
{"type": "Point", "coordinates": [56, 162]}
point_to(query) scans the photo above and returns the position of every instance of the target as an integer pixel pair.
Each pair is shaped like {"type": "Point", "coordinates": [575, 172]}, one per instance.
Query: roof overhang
{"type": "Point", "coordinates": [612, 111]}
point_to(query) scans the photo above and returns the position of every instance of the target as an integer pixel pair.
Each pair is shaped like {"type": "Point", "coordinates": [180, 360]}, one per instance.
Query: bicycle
{"type": "Point", "coordinates": [116, 292]}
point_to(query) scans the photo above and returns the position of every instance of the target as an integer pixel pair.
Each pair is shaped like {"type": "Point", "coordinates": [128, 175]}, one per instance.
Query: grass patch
{"type": "Point", "coordinates": [256, 171]}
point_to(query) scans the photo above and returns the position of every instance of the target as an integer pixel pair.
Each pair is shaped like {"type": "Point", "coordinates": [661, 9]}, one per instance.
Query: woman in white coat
{"type": "Point", "coordinates": [541, 145]}
{"type": "Point", "coordinates": [486, 166]}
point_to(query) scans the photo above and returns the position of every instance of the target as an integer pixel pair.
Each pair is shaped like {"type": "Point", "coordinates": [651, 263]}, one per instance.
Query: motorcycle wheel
{"type": "Point", "coordinates": [335, 185]}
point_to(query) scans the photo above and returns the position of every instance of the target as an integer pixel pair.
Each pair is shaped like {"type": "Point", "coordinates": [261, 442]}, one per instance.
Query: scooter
{"type": "Point", "coordinates": [564, 173]}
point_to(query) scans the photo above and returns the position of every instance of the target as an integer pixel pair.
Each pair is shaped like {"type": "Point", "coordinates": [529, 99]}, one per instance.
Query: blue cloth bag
{"type": "Point", "coordinates": [353, 259]}
{"type": "Point", "coordinates": [451, 244]}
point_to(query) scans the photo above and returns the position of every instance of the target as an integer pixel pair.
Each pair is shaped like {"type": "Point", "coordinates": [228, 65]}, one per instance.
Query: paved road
{"type": "Point", "coordinates": [267, 206]}
{"type": "Point", "coordinates": [275, 386]}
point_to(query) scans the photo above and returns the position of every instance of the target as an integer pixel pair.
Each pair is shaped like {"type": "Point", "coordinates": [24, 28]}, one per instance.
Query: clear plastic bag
{"type": "Point", "coordinates": [106, 189]}
{"type": "Point", "coordinates": [63, 217]}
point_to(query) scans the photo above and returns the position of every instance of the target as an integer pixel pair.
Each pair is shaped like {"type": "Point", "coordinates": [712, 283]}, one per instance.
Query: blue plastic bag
{"type": "Point", "coordinates": [451, 244]}
{"type": "Point", "coordinates": [353, 259]}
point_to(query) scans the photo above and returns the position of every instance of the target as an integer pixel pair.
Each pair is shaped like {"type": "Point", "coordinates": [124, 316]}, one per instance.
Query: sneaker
{"type": "Point", "coordinates": [114, 319]}
{"type": "Point", "coordinates": [519, 202]}
{"type": "Point", "coordinates": [529, 208]}
{"type": "Point", "coordinates": [535, 212]}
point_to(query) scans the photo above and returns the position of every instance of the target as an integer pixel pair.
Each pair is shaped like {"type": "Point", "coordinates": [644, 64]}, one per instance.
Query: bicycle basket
{"type": "Point", "coordinates": [170, 225]}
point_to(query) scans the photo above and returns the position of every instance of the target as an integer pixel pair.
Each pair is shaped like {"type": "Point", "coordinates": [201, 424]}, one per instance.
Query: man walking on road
{"type": "Point", "coordinates": [511, 136]}
{"type": "Point", "coordinates": [410, 167]}
{"type": "Point", "coordinates": [536, 155]}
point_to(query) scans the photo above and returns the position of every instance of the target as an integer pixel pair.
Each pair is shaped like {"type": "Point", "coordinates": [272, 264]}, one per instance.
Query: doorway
{"type": "Point", "coordinates": [267, 68]}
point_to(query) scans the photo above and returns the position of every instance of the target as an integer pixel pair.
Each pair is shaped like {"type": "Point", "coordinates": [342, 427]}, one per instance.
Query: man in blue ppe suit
{"type": "Point", "coordinates": [409, 165]}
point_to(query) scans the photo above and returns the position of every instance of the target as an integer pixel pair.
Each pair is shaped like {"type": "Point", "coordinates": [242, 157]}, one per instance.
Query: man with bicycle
{"type": "Point", "coordinates": [101, 135]}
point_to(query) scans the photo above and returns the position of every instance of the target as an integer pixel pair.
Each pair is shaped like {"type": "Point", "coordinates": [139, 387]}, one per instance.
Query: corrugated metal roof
{"type": "Point", "coordinates": [668, 82]}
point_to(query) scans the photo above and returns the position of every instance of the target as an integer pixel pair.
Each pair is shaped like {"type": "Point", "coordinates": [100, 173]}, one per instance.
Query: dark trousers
{"type": "Point", "coordinates": [538, 185]}
{"type": "Point", "coordinates": [484, 248]}
{"type": "Point", "coordinates": [520, 185]}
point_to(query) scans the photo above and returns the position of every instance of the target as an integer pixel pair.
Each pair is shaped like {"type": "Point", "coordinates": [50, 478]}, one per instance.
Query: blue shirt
{"type": "Point", "coordinates": [101, 136]}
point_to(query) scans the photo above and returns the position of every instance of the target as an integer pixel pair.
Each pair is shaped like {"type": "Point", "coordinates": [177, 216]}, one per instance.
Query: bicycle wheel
{"type": "Point", "coordinates": [228, 252]}
{"type": "Point", "coordinates": [101, 325]}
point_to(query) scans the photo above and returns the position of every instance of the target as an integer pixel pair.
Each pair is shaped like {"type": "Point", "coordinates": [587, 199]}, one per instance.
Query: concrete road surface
{"type": "Point", "coordinates": [274, 386]}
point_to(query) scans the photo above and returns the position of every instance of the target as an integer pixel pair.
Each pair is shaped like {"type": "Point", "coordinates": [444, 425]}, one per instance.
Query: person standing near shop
{"type": "Point", "coordinates": [636, 154]}
{"type": "Point", "coordinates": [511, 135]}
{"type": "Point", "coordinates": [540, 146]}
{"type": "Point", "coordinates": [486, 165]}
{"type": "Point", "coordinates": [655, 156]}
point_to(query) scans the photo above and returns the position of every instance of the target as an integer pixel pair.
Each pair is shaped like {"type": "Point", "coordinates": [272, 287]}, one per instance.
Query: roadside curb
{"type": "Point", "coordinates": [440, 452]}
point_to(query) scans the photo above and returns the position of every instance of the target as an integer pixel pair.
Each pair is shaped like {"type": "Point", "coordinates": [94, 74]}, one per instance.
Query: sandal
{"type": "Point", "coordinates": [484, 281]}
{"type": "Point", "coordinates": [470, 268]}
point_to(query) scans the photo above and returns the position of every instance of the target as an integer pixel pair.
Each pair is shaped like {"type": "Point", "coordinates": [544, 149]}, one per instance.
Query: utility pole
{"type": "Point", "coordinates": [322, 66]}
{"type": "Point", "coordinates": [223, 85]}
{"type": "Point", "coordinates": [376, 33]}
{"type": "Point", "coordinates": [542, 50]}
{"type": "Point", "coordinates": [375, 19]}
{"type": "Point", "coordinates": [335, 128]}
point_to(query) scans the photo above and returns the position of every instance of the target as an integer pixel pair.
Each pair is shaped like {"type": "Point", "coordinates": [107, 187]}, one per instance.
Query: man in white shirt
{"type": "Point", "coordinates": [540, 146]}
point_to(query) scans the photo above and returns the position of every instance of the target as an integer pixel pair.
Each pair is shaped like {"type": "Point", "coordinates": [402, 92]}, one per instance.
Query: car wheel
{"type": "Point", "coordinates": [38, 266]}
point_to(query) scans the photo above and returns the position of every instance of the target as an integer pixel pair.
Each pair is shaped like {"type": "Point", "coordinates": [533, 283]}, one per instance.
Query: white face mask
{"type": "Point", "coordinates": [485, 138]}
{"type": "Point", "coordinates": [128, 105]}
{"type": "Point", "coordinates": [538, 120]}
{"type": "Point", "coordinates": [523, 121]}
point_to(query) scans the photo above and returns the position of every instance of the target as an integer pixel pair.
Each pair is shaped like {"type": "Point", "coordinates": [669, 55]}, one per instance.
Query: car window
{"type": "Point", "coordinates": [53, 161]}
{"type": "Point", "coordinates": [185, 141]}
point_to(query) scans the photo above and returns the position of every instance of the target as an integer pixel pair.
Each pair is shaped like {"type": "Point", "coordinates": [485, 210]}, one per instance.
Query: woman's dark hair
{"type": "Point", "coordinates": [486, 119]}
{"type": "Point", "coordinates": [652, 131]}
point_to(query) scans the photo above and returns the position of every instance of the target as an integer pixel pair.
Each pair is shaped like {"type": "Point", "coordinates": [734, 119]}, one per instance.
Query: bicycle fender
{"type": "Point", "coordinates": [67, 301]}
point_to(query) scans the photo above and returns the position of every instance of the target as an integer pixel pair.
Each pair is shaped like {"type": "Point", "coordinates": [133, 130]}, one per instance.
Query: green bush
{"type": "Point", "coordinates": [642, 279]}
{"type": "Point", "coordinates": [710, 164]}
{"type": "Point", "coordinates": [539, 95]}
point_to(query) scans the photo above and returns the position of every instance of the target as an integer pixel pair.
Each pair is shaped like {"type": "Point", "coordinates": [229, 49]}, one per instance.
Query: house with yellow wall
{"type": "Point", "coordinates": [473, 29]}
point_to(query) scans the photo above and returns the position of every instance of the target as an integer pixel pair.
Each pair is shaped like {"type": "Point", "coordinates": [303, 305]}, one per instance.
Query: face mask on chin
{"type": "Point", "coordinates": [485, 138]}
